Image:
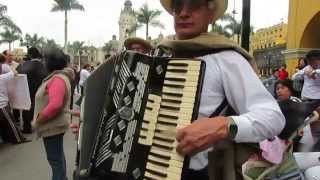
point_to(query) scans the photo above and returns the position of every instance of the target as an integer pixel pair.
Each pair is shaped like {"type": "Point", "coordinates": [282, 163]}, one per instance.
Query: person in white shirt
{"type": "Point", "coordinates": [311, 87]}
{"type": "Point", "coordinates": [9, 60]}
{"type": "Point", "coordinates": [84, 74]}
{"type": "Point", "coordinates": [311, 76]}
{"type": "Point", "coordinates": [228, 76]}
{"type": "Point", "coordinates": [8, 130]}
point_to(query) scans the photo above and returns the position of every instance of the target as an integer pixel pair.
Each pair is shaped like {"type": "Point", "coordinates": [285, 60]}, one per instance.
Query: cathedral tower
{"type": "Point", "coordinates": [127, 23]}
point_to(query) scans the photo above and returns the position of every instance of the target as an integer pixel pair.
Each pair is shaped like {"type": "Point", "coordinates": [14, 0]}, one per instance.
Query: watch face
{"type": "Point", "coordinates": [233, 130]}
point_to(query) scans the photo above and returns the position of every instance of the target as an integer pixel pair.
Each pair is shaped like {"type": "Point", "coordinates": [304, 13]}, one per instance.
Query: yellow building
{"type": "Point", "coordinates": [303, 30]}
{"type": "Point", "coordinates": [18, 54]}
{"type": "Point", "coordinates": [269, 37]}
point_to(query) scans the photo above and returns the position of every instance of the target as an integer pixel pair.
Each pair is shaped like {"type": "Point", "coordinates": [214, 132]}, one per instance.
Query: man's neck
{"type": "Point", "coordinates": [186, 37]}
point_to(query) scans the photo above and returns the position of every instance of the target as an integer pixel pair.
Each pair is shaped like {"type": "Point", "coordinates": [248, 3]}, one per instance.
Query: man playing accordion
{"type": "Point", "coordinates": [229, 82]}
{"type": "Point", "coordinates": [228, 78]}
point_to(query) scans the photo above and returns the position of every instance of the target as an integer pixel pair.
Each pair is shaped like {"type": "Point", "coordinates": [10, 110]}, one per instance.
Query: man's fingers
{"type": "Point", "coordinates": [180, 134]}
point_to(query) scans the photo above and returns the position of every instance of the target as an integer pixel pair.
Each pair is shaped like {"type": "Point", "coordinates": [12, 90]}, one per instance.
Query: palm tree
{"type": "Point", "coordinates": [65, 6]}
{"type": "Point", "coordinates": [77, 48]}
{"type": "Point", "coordinates": [149, 17]}
{"type": "Point", "coordinates": [235, 28]}
{"type": "Point", "coordinates": [33, 41]}
{"type": "Point", "coordinates": [107, 48]}
{"type": "Point", "coordinates": [5, 21]}
{"type": "Point", "coordinates": [220, 29]}
{"type": "Point", "coordinates": [9, 36]}
{"type": "Point", "coordinates": [50, 44]}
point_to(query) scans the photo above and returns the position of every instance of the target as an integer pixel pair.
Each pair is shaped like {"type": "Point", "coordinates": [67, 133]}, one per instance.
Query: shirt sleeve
{"type": "Point", "coordinates": [260, 116]}
{"type": "Point", "coordinates": [56, 89]}
{"type": "Point", "coordinates": [299, 75]}
{"type": "Point", "coordinates": [7, 73]}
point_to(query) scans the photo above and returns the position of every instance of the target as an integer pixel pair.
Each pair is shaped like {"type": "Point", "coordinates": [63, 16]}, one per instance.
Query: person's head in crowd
{"type": "Point", "coordinates": [87, 67]}
{"type": "Point", "coordinates": [8, 56]}
{"type": "Point", "coordinates": [138, 45]}
{"type": "Point", "coordinates": [68, 59]}
{"type": "Point", "coordinates": [2, 59]}
{"type": "Point", "coordinates": [313, 59]}
{"type": "Point", "coordinates": [191, 18]}
{"type": "Point", "coordinates": [283, 67]}
{"type": "Point", "coordinates": [91, 68]}
{"type": "Point", "coordinates": [107, 56]}
{"type": "Point", "coordinates": [302, 63]}
{"type": "Point", "coordinates": [275, 72]}
{"type": "Point", "coordinates": [284, 89]}
{"type": "Point", "coordinates": [34, 53]}
{"type": "Point", "coordinates": [55, 60]}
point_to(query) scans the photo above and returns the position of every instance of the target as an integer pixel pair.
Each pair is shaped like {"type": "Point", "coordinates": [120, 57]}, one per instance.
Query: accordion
{"type": "Point", "coordinates": [132, 107]}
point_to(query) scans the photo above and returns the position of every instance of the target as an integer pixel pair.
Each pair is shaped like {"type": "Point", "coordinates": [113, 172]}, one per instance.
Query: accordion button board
{"type": "Point", "coordinates": [148, 100]}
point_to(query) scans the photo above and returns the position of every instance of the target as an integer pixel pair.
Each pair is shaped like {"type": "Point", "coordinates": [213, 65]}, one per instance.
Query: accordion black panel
{"type": "Point", "coordinates": [147, 99]}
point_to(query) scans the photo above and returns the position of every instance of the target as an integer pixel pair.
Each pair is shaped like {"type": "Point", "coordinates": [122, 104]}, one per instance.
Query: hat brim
{"type": "Point", "coordinates": [219, 8]}
{"type": "Point", "coordinates": [128, 42]}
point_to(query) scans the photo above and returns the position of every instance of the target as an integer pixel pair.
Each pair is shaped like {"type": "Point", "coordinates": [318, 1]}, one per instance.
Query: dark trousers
{"type": "Point", "coordinates": [16, 114]}
{"type": "Point", "coordinates": [196, 175]}
{"type": "Point", "coordinates": [27, 117]}
{"type": "Point", "coordinates": [8, 130]}
{"type": "Point", "coordinates": [55, 156]}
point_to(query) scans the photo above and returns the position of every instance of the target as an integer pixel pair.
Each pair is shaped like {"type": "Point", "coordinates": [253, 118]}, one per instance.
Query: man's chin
{"type": "Point", "coordinates": [186, 34]}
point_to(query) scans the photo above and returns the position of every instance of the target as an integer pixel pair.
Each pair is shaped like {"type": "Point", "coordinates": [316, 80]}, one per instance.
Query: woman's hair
{"type": "Point", "coordinates": [287, 83]}
{"type": "Point", "coordinates": [86, 66]}
{"type": "Point", "coordinates": [55, 60]}
{"type": "Point", "coordinates": [2, 59]}
{"type": "Point", "coordinates": [34, 53]}
{"type": "Point", "coordinates": [313, 55]}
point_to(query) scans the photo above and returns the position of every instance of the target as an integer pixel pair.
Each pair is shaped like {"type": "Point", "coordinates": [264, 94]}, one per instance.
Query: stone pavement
{"type": "Point", "coordinates": [28, 161]}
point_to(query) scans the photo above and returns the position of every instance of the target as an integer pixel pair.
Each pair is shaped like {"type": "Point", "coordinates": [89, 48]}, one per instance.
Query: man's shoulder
{"type": "Point", "coordinates": [229, 55]}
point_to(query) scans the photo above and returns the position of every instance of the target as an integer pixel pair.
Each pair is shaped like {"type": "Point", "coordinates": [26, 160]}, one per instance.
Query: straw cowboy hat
{"type": "Point", "coordinates": [128, 42]}
{"type": "Point", "coordinates": [220, 6]}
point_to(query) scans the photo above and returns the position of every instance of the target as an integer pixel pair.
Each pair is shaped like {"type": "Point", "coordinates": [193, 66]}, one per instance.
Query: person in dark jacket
{"type": "Point", "coordinates": [36, 72]}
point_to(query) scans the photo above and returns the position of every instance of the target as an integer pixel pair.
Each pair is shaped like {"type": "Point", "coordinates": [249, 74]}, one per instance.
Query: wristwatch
{"type": "Point", "coordinates": [233, 129]}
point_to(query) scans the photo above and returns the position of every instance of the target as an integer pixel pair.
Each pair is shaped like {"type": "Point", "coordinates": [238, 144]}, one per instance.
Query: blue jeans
{"type": "Point", "coordinates": [55, 156]}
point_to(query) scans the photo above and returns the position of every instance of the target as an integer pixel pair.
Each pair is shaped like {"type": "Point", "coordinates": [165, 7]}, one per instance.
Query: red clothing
{"type": "Point", "coordinates": [283, 74]}
{"type": "Point", "coordinates": [56, 90]}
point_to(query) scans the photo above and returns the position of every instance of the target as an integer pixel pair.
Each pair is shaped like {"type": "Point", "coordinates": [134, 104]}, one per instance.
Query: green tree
{"type": "Point", "coordinates": [229, 27]}
{"type": "Point", "coordinates": [220, 29]}
{"type": "Point", "coordinates": [148, 17]}
{"type": "Point", "coordinates": [50, 44]}
{"type": "Point", "coordinates": [107, 47]}
{"type": "Point", "coordinates": [33, 41]}
{"type": "Point", "coordinates": [236, 28]}
{"type": "Point", "coordinates": [65, 6]}
{"type": "Point", "coordinates": [5, 21]}
{"type": "Point", "coordinates": [77, 47]}
{"type": "Point", "coordinates": [9, 36]}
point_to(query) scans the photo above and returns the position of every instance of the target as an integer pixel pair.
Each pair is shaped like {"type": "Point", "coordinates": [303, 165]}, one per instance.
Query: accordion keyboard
{"type": "Point", "coordinates": [175, 111]}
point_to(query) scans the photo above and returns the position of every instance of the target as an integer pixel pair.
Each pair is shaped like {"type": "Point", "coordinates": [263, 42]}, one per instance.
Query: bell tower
{"type": "Point", "coordinates": [127, 23]}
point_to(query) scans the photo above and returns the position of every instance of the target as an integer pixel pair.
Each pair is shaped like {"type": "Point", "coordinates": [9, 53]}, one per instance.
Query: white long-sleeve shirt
{"type": "Point", "coordinates": [84, 74]}
{"type": "Point", "coordinates": [5, 77]}
{"type": "Point", "coordinates": [311, 87]}
{"type": "Point", "coordinates": [229, 75]}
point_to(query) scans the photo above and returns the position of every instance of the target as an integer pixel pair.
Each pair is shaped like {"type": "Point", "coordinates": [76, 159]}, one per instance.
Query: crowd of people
{"type": "Point", "coordinates": [51, 85]}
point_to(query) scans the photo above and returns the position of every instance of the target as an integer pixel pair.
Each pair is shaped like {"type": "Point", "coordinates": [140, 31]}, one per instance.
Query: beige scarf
{"type": "Point", "coordinates": [205, 42]}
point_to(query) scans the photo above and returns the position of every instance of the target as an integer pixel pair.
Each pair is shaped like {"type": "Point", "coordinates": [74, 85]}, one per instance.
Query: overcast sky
{"type": "Point", "coordinates": [99, 21]}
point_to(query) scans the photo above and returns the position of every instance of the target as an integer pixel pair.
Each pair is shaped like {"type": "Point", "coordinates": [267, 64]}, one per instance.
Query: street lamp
{"type": "Point", "coordinates": [22, 43]}
{"type": "Point", "coordinates": [245, 36]}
